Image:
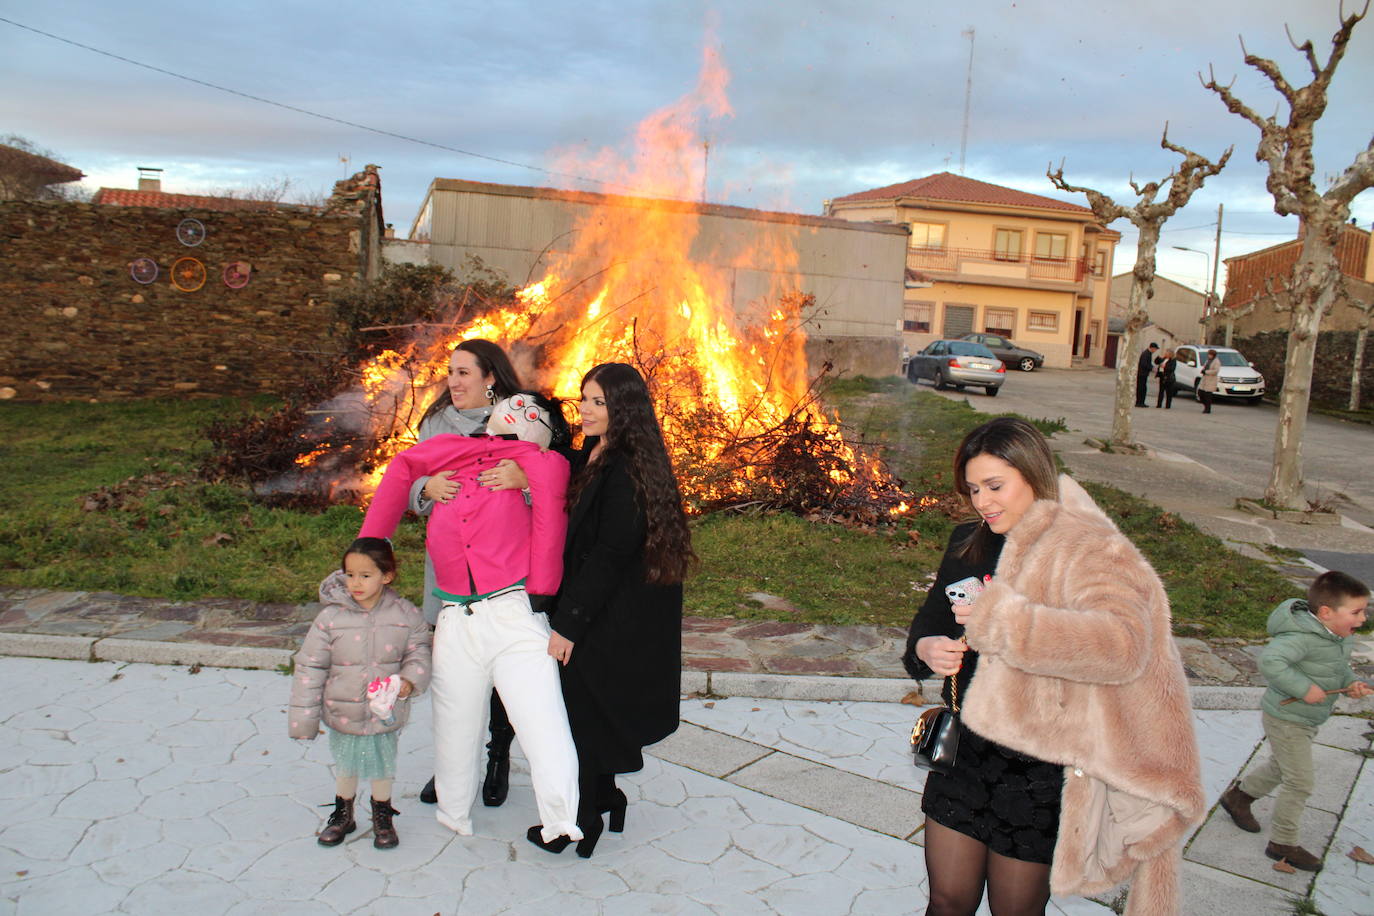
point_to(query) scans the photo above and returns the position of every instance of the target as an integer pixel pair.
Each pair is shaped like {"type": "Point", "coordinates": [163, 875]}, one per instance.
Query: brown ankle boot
{"type": "Point", "coordinates": [340, 823]}
{"type": "Point", "coordinates": [1295, 856]}
{"type": "Point", "coordinates": [1237, 804]}
{"type": "Point", "coordinates": [383, 834]}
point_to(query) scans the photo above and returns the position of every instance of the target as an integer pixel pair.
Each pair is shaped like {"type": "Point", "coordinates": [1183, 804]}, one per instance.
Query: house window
{"type": "Point", "coordinates": [928, 235]}
{"type": "Point", "coordinates": [918, 317]}
{"type": "Point", "coordinates": [999, 321]}
{"type": "Point", "coordinates": [1042, 321]}
{"type": "Point", "coordinates": [1007, 245]}
{"type": "Point", "coordinates": [1051, 246]}
{"type": "Point", "coordinates": [1100, 263]}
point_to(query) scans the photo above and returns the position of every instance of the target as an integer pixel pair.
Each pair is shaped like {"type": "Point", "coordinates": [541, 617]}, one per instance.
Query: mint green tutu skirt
{"type": "Point", "coordinates": [364, 756]}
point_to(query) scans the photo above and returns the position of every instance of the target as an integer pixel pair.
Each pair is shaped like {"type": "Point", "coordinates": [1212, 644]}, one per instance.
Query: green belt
{"type": "Point", "coordinates": [465, 600]}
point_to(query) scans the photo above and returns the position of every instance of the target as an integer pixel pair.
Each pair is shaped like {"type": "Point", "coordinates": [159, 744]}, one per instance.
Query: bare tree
{"type": "Point", "coordinates": [1366, 310]}
{"type": "Point", "coordinates": [1149, 216]}
{"type": "Point", "coordinates": [1313, 286]}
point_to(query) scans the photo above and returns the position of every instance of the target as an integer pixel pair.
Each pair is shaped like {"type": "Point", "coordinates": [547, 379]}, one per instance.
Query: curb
{"type": "Point", "coordinates": [812, 687]}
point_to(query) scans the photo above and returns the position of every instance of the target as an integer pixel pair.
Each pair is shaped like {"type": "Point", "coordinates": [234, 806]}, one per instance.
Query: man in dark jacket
{"type": "Point", "coordinates": [1142, 373]}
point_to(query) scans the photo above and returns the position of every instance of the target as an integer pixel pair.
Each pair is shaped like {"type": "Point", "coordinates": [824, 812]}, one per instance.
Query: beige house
{"type": "Point", "coordinates": [1175, 311]}
{"type": "Point", "coordinates": [854, 271]}
{"type": "Point", "coordinates": [984, 258]}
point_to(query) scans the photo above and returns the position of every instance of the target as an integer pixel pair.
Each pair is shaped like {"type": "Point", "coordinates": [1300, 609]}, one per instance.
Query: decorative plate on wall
{"type": "Point", "coordinates": [143, 270]}
{"type": "Point", "coordinates": [190, 232]}
{"type": "Point", "coordinates": [236, 274]}
{"type": "Point", "coordinates": [188, 275]}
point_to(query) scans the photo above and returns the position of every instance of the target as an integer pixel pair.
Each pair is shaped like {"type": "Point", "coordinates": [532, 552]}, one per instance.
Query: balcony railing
{"type": "Point", "coordinates": [985, 262]}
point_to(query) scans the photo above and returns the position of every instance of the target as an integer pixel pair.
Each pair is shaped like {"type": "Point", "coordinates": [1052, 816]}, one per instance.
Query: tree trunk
{"type": "Point", "coordinates": [1355, 374]}
{"type": "Point", "coordinates": [1312, 293]}
{"type": "Point", "coordinates": [1142, 283]}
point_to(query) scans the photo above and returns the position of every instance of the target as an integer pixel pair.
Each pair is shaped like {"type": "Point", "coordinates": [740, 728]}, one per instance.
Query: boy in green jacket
{"type": "Point", "coordinates": [1307, 663]}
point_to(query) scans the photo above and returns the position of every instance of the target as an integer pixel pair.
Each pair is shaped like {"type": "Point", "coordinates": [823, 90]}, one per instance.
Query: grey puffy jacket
{"type": "Point", "coordinates": [346, 648]}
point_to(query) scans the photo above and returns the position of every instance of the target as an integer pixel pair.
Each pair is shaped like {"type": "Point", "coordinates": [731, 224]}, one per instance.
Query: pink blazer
{"type": "Point", "coordinates": [482, 540]}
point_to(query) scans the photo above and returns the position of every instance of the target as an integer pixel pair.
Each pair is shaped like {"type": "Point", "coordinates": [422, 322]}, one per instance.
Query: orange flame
{"type": "Point", "coordinates": [638, 286]}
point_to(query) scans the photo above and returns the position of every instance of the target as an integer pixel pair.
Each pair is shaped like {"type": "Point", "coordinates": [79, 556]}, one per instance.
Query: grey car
{"type": "Point", "coordinates": [959, 363]}
{"type": "Point", "coordinates": [1008, 352]}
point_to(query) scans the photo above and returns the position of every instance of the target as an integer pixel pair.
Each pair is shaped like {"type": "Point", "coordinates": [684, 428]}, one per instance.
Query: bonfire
{"type": "Point", "coordinates": [739, 407]}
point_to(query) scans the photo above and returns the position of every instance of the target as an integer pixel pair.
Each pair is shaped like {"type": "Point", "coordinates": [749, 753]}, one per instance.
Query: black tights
{"type": "Point", "coordinates": [958, 867]}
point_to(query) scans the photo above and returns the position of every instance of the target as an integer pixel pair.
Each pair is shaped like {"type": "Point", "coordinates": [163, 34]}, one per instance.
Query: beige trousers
{"type": "Point", "coordinates": [1289, 764]}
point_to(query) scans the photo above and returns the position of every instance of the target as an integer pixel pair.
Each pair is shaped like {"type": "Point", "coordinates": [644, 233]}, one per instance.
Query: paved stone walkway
{"type": "Point", "coordinates": [154, 789]}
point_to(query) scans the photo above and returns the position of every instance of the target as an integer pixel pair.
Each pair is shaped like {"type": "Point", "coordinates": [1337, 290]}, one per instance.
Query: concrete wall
{"type": "Point", "coordinates": [79, 326]}
{"type": "Point", "coordinates": [855, 272]}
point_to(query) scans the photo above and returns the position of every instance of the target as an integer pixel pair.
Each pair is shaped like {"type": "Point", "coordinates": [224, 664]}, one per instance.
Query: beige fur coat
{"type": "Point", "coordinates": [1077, 665]}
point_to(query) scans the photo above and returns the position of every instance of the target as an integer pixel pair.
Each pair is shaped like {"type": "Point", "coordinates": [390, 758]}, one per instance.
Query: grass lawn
{"type": "Point", "coordinates": [104, 497]}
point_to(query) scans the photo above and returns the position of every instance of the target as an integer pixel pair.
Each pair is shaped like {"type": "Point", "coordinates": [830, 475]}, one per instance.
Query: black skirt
{"type": "Point", "coordinates": [1005, 800]}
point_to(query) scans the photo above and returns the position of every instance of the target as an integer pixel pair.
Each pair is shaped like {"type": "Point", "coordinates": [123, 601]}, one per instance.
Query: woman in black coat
{"type": "Point", "coordinates": [618, 620]}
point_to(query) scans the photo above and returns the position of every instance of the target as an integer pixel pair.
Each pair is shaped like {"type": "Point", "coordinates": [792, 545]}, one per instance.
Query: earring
{"type": "Point", "coordinates": [491, 395]}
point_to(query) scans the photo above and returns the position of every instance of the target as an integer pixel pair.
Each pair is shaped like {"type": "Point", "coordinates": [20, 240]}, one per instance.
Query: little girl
{"type": "Point", "coordinates": [366, 631]}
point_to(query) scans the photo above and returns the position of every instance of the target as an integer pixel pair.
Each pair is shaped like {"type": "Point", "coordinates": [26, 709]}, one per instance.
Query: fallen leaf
{"type": "Point", "coordinates": [1283, 866]}
{"type": "Point", "coordinates": [24, 871]}
{"type": "Point", "coordinates": [217, 539]}
{"type": "Point", "coordinates": [165, 510]}
{"type": "Point", "coordinates": [755, 709]}
{"type": "Point", "coordinates": [914, 698]}
{"type": "Point", "coordinates": [1359, 855]}
{"type": "Point", "coordinates": [194, 669]}
{"type": "Point", "coordinates": [711, 705]}
{"type": "Point", "coordinates": [914, 536]}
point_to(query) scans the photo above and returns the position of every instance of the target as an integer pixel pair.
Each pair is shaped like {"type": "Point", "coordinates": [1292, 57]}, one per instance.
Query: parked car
{"type": "Point", "coordinates": [958, 363]}
{"type": "Point", "coordinates": [1008, 352]}
{"type": "Point", "coordinates": [1238, 377]}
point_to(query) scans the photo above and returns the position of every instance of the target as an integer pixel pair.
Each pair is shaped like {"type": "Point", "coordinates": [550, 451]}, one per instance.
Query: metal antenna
{"type": "Point", "coordinates": [968, 97]}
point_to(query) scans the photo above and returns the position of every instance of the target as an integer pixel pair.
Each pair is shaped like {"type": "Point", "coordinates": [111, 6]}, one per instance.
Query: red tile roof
{"type": "Point", "coordinates": [948, 186]}
{"type": "Point", "coordinates": [123, 197]}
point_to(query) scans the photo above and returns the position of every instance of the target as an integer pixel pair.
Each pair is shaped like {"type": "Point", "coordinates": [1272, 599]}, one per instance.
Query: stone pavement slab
{"type": "Point", "coordinates": [144, 789]}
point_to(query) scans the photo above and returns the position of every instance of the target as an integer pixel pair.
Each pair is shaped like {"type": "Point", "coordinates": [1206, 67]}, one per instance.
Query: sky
{"type": "Point", "coordinates": [825, 98]}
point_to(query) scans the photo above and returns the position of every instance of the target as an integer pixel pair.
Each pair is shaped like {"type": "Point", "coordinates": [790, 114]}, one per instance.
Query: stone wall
{"type": "Point", "coordinates": [78, 325]}
{"type": "Point", "coordinates": [1331, 370]}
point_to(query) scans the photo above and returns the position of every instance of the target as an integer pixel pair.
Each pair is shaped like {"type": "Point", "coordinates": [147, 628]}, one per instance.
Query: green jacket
{"type": "Point", "coordinates": [1302, 652]}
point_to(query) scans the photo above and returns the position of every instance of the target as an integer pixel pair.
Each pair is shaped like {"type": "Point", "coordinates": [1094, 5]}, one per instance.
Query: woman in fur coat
{"type": "Point", "coordinates": [1077, 766]}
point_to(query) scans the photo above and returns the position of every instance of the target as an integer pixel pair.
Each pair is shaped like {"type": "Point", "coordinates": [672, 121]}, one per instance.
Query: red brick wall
{"type": "Point", "coordinates": [77, 325]}
{"type": "Point", "coordinates": [1246, 274]}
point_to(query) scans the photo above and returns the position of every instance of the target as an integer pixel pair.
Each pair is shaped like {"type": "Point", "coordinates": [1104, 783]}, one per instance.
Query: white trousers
{"type": "Point", "coordinates": [502, 642]}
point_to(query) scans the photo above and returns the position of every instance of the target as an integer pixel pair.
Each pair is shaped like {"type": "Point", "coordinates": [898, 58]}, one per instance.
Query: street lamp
{"type": "Point", "coordinates": [1207, 296]}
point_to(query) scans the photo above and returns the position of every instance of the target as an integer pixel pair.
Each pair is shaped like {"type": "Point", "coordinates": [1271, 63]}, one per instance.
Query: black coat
{"type": "Point", "coordinates": [1146, 363]}
{"type": "Point", "coordinates": [623, 683]}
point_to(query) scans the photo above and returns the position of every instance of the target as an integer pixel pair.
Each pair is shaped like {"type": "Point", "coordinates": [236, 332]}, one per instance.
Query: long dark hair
{"type": "Point", "coordinates": [491, 360]}
{"type": "Point", "coordinates": [633, 434]}
{"type": "Point", "coordinates": [1020, 445]}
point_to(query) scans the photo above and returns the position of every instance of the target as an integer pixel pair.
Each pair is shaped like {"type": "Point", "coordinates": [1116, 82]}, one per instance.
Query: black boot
{"type": "Point", "coordinates": [429, 795]}
{"type": "Point", "coordinates": [609, 799]}
{"type": "Point", "coordinates": [383, 833]}
{"type": "Point", "coordinates": [496, 783]}
{"type": "Point", "coordinates": [340, 823]}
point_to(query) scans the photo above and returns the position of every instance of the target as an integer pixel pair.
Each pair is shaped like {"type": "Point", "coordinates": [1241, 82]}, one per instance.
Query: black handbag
{"type": "Point", "coordinates": [935, 736]}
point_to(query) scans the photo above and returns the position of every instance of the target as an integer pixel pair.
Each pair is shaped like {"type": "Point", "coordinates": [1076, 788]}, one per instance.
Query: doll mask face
{"type": "Point", "coordinates": [520, 416]}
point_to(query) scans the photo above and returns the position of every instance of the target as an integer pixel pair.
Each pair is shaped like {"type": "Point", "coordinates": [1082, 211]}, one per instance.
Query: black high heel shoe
{"type": "Point", "coordinates": [591, 832]}
{"type": "Point", "coordinates": [555, 846]}
{"type": "Point", "coordinates": [615, 806]}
